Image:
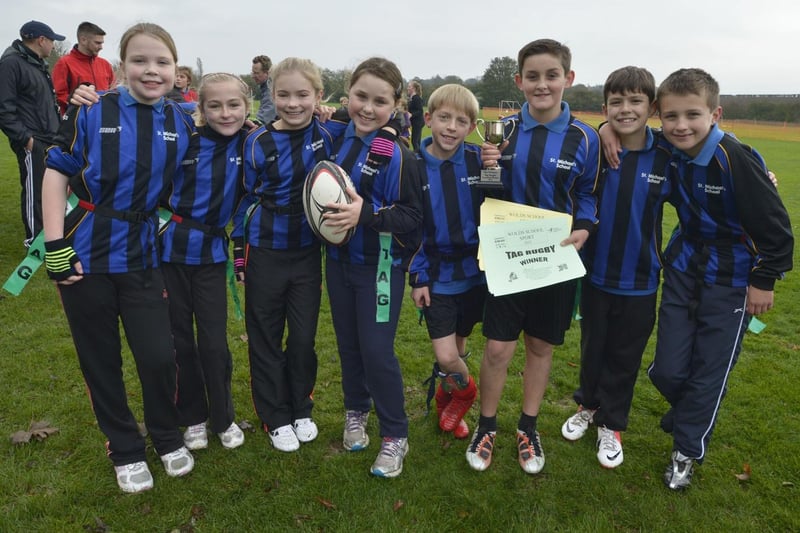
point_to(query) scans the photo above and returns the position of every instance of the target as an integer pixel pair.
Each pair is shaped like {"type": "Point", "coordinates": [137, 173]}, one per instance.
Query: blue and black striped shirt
{"type": "Point", "coordinates": [729, 211]}
{"type": "Point", "coordinates": [121, 155]}
{"type": "Point", "coordinates": [451, 204]}
{"type": "Point", "coordinates": [392, 201]}
{"type": "Point", "coordinates": [553, 166]}
{"type": "Point", "coordinates": [204, 195]}
{"type": "Point", "coordinates": [276, 163]}
{"type": "Point", "coordinates": [624, 255]}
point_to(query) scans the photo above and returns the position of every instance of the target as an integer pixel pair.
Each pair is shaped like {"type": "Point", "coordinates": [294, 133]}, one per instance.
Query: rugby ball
{"type": "Point", "coordinates": [326, 183]}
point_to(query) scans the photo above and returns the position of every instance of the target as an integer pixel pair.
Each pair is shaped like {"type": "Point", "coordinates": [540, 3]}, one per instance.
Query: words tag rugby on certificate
{"type": "Point", "coordinates": [527, 254]}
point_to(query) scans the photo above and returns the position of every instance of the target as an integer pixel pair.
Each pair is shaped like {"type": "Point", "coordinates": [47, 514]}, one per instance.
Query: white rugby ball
{"type": "Point", "coordinates": [326, 183]}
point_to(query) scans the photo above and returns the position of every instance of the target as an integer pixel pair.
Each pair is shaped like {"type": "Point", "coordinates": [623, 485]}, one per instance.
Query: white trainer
{"type": "Point", "coordinates": [233, 437]}
{"type": "Point", "coordinates": [134, 477]}
{"type": "Point", "coordinates": [178, 463]}
{"type": "Point", "coordinates": [609, 447]}
{"type": "Point", "coordinates": [284, 439]}
{"type": "Point", "coordinates": [195, 437]}
{"type": "Point", "coordinates": [305, 429]}
{"type": "Point", "coordinates": [575, 427]}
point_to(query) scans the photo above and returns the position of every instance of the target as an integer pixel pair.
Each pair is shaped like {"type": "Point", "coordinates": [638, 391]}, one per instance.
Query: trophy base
{"type": "Point", "coordinates": [489, 185]}
{"type": "Point", "coordinates": [490, 178]}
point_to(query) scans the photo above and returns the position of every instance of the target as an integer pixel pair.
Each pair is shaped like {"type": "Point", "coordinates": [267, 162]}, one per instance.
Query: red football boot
{"type": "Point", "coordinates": [461, 401]}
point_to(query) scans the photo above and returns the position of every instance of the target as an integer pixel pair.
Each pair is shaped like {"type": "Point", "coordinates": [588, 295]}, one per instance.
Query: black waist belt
{"type": "Point", "coordinates": [205, 228]}
{"type": "Point", "coordinates": [128, 216]}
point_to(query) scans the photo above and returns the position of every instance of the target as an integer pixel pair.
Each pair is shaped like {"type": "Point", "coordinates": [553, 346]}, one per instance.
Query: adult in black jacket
{"type": "Point", "coordinates": [417, 112]}
{"type": "Point", "coordinates": [29, 113]}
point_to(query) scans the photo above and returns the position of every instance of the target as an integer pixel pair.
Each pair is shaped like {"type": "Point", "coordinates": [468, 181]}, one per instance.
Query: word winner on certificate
{"type": "Point", "coordinates": [525, 255]}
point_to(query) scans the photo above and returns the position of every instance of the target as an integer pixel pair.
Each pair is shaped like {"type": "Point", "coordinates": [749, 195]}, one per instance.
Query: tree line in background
{"type": "Point", "coordinates": [497, 85]}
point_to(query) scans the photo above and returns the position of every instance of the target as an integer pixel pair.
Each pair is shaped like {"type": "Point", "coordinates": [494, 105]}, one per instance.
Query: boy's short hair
{"type": "Point", "coordinates": [691, 81]}
{"type": "Point", "coordinates": [186, 71]}
{"type": "Point", "coordinates": [457, 96]}
{"type": "Point", "coordinates": [628, 80]}
{"type": "Point", "coordinates": [546, 46]}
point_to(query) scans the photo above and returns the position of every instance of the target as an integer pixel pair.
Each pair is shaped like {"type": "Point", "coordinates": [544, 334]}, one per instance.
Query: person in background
{"type": "Point", "coordinates": [417, 111]}
{"type": "Point", "coordinates": [29, 114]}
{"type": "Point", "coordinates": [404, 120]}
{"type": "Point", "coordinates": [83, 65]}
{"type": "Point", "coordinates": [183, 86]}
{"type": "Point", "coordinates": [260, 72]}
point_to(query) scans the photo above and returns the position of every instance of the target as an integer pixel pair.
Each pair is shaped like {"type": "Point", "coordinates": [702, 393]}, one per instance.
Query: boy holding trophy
{"type": "Point", "coordinates": [447, 285]}
{"type": "Point", "coordinates": [550, 161]}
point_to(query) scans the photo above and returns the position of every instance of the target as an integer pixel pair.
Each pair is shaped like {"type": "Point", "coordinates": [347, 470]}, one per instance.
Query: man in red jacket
{"type": "Point", "coordinates": [82, 65]}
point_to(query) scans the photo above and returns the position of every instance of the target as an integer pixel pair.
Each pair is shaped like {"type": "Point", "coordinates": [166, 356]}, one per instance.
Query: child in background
{"type": "Point", "coordinates": [283, 257]}
{"type": "Point", "coordinates": [404, 119]}
{"type": "Point", "coordinates": [447, 284]}
{"type": "Point", "coordinates": [734, 240]}
{"type": "Point", "coordinates": [623, 260]}
{"type": "Point", "coordinates": [204, 196]}
{"type": "Point", "coordinates": [365, 277]}
{"type": "Point", "coordinates": [183, 91]}
{"type": "Point", "coordinates": [551, 162]}
{"type": "Point", "coordinates": [104, 255]}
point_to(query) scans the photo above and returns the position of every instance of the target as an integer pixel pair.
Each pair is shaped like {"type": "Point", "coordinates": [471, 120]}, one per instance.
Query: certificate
{"type": "Point", "coordinates": [495, 211]}
{"type": "Point", "coordinates": [527, 254]}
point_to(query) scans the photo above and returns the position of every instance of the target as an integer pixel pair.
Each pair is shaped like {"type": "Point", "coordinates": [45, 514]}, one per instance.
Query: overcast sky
{"type": "Point", "coordinates": [749, 46]}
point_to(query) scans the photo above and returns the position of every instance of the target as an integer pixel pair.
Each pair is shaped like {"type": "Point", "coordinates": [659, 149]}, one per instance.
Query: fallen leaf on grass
{"type": "Point", "coordinates": [570, 363]}
{"type": "Point", "coordinates": [745, 475]}
{"type": "Point", "coordinates": [39, 430]}
{"type": "Point", "coordinates": [398, 505]}
{"type": "Point", "coordinates": [243, 338]}
{"type": "Point", "coordinates": [327, 504]}
{"type": "Point", "coordinates": [787, 484]}
{"type": "Point", "coordinates": [446, 444]}
{"type": "Point", "coordinates": [244, 425]}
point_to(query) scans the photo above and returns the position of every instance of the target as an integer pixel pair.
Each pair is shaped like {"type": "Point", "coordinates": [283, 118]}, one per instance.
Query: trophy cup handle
{"type": "Point", "coordinates": [479, 123]}
{"type": "Point", "coordinates": [513, 126]}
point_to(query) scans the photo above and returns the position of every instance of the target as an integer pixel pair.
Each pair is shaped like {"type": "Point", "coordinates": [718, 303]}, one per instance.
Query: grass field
{"type": "Point", "coordinates": [65, 483]}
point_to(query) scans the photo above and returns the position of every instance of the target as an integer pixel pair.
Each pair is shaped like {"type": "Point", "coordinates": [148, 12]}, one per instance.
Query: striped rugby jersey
{"type": "Point", "coordinates": [121, 155]}
{"type": "Point", "coordinates": [726, 202]}
{"type": "Point", "coordinates": [392, 201]}
{"type": "Point", "coordinates": [553, 166]}
{"type": "Point", "coordinates": [624, 254]}
{"type": "Point", "coordinates": [276, 163]}
{"type": "Point", "coordinates": [206, 191]}
{"type": "Point", "coordinates": [451, 204]}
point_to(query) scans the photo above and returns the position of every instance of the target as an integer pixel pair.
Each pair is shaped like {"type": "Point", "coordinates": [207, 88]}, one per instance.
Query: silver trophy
{"type": "Point", "coordinates": [494, 132]}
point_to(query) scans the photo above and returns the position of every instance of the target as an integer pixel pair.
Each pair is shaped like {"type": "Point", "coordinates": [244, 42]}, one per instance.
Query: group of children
{"type": "Point", "coordinates": [134, 150]}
